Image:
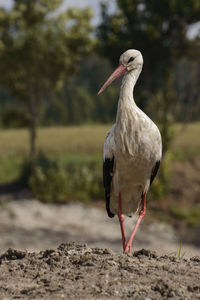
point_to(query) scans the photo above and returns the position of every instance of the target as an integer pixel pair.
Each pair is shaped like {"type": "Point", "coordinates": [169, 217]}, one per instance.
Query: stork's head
{"type": "Point", "coordinates": [130, 60]}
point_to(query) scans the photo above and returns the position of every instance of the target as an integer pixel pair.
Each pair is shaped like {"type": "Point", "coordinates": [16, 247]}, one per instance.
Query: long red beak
{"type": "Point", "coordinates": [116, 74]}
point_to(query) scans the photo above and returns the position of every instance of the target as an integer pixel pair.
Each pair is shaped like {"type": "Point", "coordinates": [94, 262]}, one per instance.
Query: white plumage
{"type": "Point", "coordinates": [132, 149]}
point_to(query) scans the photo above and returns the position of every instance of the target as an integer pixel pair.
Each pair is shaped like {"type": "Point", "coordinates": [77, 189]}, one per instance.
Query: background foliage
{"type": "Point", "coordinates": [52, 64]}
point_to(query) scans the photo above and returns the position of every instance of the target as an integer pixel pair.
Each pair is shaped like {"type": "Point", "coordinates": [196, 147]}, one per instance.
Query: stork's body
{"type": "Point", "coordinates": [132, 150]}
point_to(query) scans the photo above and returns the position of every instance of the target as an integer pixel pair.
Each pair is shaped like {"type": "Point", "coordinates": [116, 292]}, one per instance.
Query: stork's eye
{"type": "Point", "coordinates": [131, 59]}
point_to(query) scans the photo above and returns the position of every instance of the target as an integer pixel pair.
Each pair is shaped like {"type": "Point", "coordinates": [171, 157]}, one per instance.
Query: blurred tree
{"type": "Point", "coordinates": [14, 117]}
{"type": "Point", "coordinates": [81, 92]}
{"type": "Point", "coordinates": [187, 107]}
{"type": "Point", "coordinates": [39, 50]}
{"type": "Point", "coordinates": [91, 77]}
{"type": "Point", "coordinates": [187, 85]}
{"type": "Point", "coordinates": [79, 111]}
{"type": "Point", "coordinates": [159, 30]}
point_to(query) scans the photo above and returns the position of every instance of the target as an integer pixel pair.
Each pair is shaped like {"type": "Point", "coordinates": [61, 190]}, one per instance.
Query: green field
{"type": "Point", "coordinates": [78, 141]}
{"type": "Point", "coordinates": [55, 140]}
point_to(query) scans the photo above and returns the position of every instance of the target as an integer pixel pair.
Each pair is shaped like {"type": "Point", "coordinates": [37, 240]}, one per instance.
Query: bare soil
{"type": "Point", "coordinates": [74, 271]}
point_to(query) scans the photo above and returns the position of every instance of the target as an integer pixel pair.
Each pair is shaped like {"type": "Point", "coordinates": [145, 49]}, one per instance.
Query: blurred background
{"type": "Point", "coordinates": [54, 57]}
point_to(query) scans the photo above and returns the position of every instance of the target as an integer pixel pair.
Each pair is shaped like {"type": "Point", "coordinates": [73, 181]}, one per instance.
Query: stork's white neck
{"type": "Point", "coordinates": [126, 102]}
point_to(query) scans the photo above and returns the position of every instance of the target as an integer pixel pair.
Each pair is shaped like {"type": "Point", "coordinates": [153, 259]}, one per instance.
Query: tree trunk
{"type": "Point", "coordinates": [33, 132]}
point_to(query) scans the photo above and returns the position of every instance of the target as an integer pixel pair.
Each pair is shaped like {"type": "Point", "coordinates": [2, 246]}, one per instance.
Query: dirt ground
{"type": "Point", "coordinates": [74, 271]}
{"type": "Point", "coordinates": [40, 270]}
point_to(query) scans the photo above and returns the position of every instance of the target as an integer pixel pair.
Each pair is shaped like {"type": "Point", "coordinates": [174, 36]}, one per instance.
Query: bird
{"type": "Point", "coordinates": [132, 150]}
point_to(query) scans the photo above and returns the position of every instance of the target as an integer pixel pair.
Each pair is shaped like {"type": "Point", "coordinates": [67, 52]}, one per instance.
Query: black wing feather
{"type": "Point", "coordinates": [155, 171]}
{"type": "Point", "coordinates": [108, 166]}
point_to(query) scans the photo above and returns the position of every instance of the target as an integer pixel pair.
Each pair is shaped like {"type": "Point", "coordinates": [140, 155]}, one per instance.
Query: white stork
{"type": "Point", "coordinates": [132, 149]}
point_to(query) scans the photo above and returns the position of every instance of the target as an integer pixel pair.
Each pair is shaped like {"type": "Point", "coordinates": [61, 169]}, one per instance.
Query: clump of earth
{"type": "Point", "coordinates": [75, 271]}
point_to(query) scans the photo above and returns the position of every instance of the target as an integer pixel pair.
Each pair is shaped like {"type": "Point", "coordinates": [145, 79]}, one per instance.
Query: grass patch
{"type": "Point", "coordinates": [10, 167]}
{"type": "Point", "coordinates": [56, 180]}
{"type": "Point", "coordinates": [73, 144]}
{"type": "Point", "coordinates": [180, 253]}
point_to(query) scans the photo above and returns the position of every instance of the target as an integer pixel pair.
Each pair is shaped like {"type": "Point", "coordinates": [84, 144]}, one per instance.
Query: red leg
{"type": "Point", "coordinates": [141, 215]}
{"type": "Point", "coordinates": [121, 221]}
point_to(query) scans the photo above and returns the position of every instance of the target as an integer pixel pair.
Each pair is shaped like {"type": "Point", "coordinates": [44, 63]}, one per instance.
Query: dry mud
{"type": "Point", "coordinates": [75, 271]}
